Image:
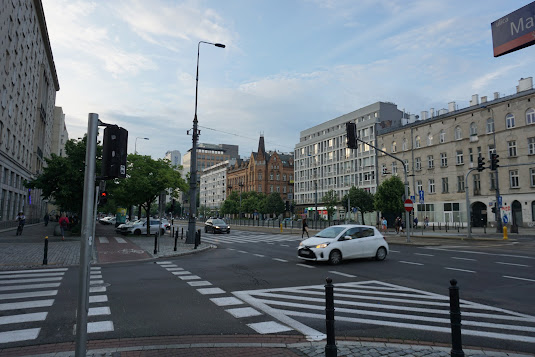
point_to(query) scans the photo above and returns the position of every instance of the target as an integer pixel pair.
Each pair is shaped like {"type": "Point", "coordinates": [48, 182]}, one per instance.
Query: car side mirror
{"type": "Point", "coordinates": [344, 238]}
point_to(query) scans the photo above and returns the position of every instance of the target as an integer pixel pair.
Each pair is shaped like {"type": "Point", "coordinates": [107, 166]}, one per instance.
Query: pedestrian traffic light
{"type": "Point", "coordinates": [114, 152]}
{"type": "Point", "coordinates": [493, 209]}
{"type": "Point", "coordinates": [351, 133]}
{"type": "Point", "coordinates": [480, 164]}
{"type": "Point", "coordinates": [494, 161]}
{"type": "Point", "coordinates": [103, 198]}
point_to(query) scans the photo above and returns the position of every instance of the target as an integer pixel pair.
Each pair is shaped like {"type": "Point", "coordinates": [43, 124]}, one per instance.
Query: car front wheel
{"type": "Point", "coordinates": [335, 257]}
{"type": "Point", "coordinates": [137, 232]}
{"type": "Point", "coordinates": [381, 254]}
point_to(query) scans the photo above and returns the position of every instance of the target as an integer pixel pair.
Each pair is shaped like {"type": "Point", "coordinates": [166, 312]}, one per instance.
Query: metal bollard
{"type": "Point", "coordinates": [485, 229]}
{"type": "Point", "coordinates": [505, 233]}
{"type": "Point", "coordinates": [197, 239]}
{"type": "Point", "coordinates": [182, 234]}
{"type": "Point", "coordinates": [176, 239]}
{"type": "Point", "coordinates": [156, 243]}
{"type": "Point", "coordinates": [330, 347]}
{"type": "Point", "coordinates": [173, 233]}
{"type": "Point", "coordinates": [455, 320]}
{"type": "Point", "coordinates": [45, 258]}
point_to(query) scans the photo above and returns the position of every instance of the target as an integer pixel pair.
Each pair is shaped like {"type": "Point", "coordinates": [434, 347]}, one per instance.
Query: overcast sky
{"type": "Point", "coordinates": [288, 64]}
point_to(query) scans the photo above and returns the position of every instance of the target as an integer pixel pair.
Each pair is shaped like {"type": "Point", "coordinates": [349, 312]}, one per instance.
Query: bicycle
{"type": "Point", "coordinates": [19, 229]}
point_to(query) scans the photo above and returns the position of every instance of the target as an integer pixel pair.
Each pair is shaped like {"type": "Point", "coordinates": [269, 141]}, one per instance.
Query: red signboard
{"type": "Point", "coordinates": [408, 205]}
{"type": "Point", "coordinates": [514, 31]}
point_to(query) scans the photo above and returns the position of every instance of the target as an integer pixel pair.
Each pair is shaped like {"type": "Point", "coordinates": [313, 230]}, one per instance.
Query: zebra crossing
{"type": "Point", "coordinates": [25, 297]}
{"type": "Point", "coordinates": [379, 303]}
{"type": "Point", "coordinates": [249, 237]}
{"type": "Point", "coordinates": [98, 312]}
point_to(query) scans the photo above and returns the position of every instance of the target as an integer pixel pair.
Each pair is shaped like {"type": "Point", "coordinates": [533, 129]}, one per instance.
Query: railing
{"type": "Point", "coordinates": [276, 223]}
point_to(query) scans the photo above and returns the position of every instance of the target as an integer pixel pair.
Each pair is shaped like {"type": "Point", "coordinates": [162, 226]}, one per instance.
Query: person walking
{"type": "Point", "coordinates": [21, 220]}
{"type": "Point", "coordinates": [63, 223]}
{"type": "Point", "coordinates": [305, 228]}
{"type": "Point", "coordinates": [46, 219]}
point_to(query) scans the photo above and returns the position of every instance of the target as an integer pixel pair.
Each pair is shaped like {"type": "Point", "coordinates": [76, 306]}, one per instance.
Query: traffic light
{"type": "Point", "coordinates": [493, 209]}
{"type": "Point", "coordinates": [103, 198]}
{"type": "Point", "coordinates": [114, 152]}
{"type": "Point", "coordinates": [351, 133]}
{"type": "Point", "coordinates": [480, 164]}
{"type": "Point", "coordinates": [494, 161]}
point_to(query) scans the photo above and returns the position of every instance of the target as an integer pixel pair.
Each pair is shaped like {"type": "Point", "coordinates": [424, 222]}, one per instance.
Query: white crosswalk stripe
{"type": "Point", "coordinates": [384, 304]}
{"type": "Point", "coordinates": [98, 313]}
{"type": "Point", "coordinates": [23, 308]}
{"type": "Point", "coordinates": [248, 237]}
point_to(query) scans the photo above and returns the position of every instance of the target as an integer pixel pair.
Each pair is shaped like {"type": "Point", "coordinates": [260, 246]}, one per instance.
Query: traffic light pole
{"type": "Point", "coordinates": [468, 208]}
{"type": "Point", "coordinates": [499, 226]}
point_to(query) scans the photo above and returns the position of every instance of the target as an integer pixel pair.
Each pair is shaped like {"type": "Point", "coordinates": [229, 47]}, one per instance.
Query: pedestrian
{"type": "Point", "coordinates": [426, 222]}
{"type": "Point", "coordinates": [21, 221]}
{"type": "Point", "coordinates": [305, 228]}
{"type": "Point", "coordinates": [384, 222]}
{"type": "Point", "coordinates": [47, 218]}
{"type": "Point", "coordinates": [63, 223]}
{"type": "Point", "coordinates": [415, 222]}
{"type": "Point", "coordinates": [397, 224]}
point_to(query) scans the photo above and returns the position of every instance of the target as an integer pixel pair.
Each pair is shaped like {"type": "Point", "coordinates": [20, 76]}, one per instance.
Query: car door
{"type": "Point", "coordinates": [350, 245]}
{"type": "Point", "coordinates": [208, 225]}
{"type": "Point", "coordinates": [369, 241]}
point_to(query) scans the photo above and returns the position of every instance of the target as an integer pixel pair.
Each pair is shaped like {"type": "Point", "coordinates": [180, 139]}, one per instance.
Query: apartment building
{"type": "Point", "coordinates": [213, 185]}
{"type": "Point", "coordinates": [174, 157]}
{"type": "Point", "coordinates": [323, 162]}
{"type": "Point", "coordinates": [60, 135]}
{"type": "Point", "coordinates": [28, 87]}
{"type": "Point", "coordinates": [442, 149]}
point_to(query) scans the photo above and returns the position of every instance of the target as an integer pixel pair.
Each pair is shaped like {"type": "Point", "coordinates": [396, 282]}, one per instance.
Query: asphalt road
{"type": "Point", "coordinates": [254, 283]}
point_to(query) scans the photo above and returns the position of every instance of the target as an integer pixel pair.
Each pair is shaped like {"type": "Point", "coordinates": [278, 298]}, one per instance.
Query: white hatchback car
{"type": "Point", "coordinates": [348, 241]}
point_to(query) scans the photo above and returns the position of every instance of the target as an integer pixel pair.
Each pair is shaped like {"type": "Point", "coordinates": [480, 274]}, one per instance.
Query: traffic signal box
{"type": "Point", "coordinates": [103, 198]}
{"type": "Point", "coordinates": [351, 133]}
{"type": "Point", "coordinates": [114, 152]}
{"type": "Point", "coordinates": [480, 164]}
{"type": "Point", "coordinates": [494, 161]}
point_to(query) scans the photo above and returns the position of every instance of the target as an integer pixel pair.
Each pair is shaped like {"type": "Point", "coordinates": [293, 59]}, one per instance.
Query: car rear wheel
{"type": "Point", "coordinates": [381, 254]}
{"type": "Point", "coordinates": [137, 232]}
{"type": "Point", "coordinates": [335, 257]}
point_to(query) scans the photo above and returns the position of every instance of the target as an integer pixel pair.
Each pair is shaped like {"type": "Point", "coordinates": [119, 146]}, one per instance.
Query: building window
{"type": "Point", "coordinates": [278, 176]}
{"type": "Point", "coordinates": [532, 177]}
{"type": "Point", "coordinates": [394, 146]}
{"type": "Point", "coordinates": [473, 129]}
{"type": "Point", "coordinates": [460, 159]}
{"type": "Point", "coordinates": [443, 159]}
{"type": "Point", "coordinates": [383, 169]}
{"type": "Point", "coordinates": [511, 148]}
{"type": "Point", "coordinates": [419, 185]}
{"type": "Point", "coordinates": [271, 176]}
{"type": "Point", "coordinates": [278, 189]}
{"type": "Point", "coordinates": [513, 179]}
{"type": "Point", "coordinates": [260, 175]}
{"type": "Point", "coordinates": [430, 162]}
{"type": "Point", "coordinates": [477, 185]}
{"type": "Point", "coordinates": [431, 185]}
{"type": "Point", "coordinates": [460, 183]}
{"type": "Point", "coordinates": [404, 145]}
{"type": "Point", "coordinates": [490, 126]}
{"type": "Point", "coordinates": [509, 121]}
{"type": "Point", "coordinates": [491, 150]}
{"type": "Point", "coordinates": [406, 162]}
{"type": "Point", "coordinates": [418, 163]}
{"type": "Point", "coordinates": [271, 188]}
{"type": "Point", "coordinates": [531, 146]}
{"type": "Point", "coordinates": [394, 168]}
{"type": "Point", "coordinates": [492, 176]}
{"type": "Point", "coordinates": [259, 188]}
{"type": "Point", "coordinates": [417, 142]}
{"type": "Point", "coordinates": [445, 185]}
{"type": "Point", "coordinates": [429, 139]}
{"type": "Point", "coordinates": [284, 177]}
{"type": "Point", "coordinates": [458, 133]}
{"type": "Point", "coordinates": [530, 116]}
{"type": "Point", "coordinates": [442, 136]}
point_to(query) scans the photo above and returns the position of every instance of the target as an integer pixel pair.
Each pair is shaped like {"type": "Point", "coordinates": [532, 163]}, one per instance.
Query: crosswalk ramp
{"type": "Point", "coordinates": [383, 304]}
{"type": "Point", "coordinates": [248, 237]}
{"type": "Point", "coordinates": [25, 299]}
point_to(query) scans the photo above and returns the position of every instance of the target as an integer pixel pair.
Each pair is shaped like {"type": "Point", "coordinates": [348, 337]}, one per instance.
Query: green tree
{"type": "Point", "coordinates": [274, 204]}
{"type": "Point", "coordinates": [231, 205]}
{"type": "Point", "coordinates": [252, 201]}
{"type": "Point", "coordinates": [389, 195]}
{"type": "Point", "coordinates": [330, 199]}
{"type": "Point", "coordinates": [62, 180]}
{"type": "Point", "coordinates": [359, 197]}
{"type": "Point", "coordinates": [145, 180]}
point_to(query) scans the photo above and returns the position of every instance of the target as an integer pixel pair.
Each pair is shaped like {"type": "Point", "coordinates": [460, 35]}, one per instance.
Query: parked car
{"type": "Point", "coordinates": [107, 220]}
{"type": "Point", "coordinates": [141, 227]}
{"type": "Point", "coordinates": [216, 225]}
{"type": "Point", "coordinates": [122, 228]}
{"type": "Point", "coordinates": [336, 243]}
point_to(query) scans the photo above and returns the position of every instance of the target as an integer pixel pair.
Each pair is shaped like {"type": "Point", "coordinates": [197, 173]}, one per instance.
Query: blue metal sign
{"type": "Point", "coordinates": [421, 193]}
{"type": "Point", "coordinates": [505, 219]}
{"type": "Point", "coordinates": [514, 31]}
{"type": "Point", "coordinates": [413, 198]}
{"type": "Point", "coordinates": [499, 201]}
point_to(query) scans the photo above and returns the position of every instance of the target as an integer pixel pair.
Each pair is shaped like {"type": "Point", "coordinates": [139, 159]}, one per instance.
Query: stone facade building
{"type": "Point", "coordinates": [442, 152]}
{"type": "Point", "coordinates": [28, 87]}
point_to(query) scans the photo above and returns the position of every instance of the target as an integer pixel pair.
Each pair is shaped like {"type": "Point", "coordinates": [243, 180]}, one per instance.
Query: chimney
{"type": "Point", "coordinates": [524, 84]}
{"type": "Point", "coordinates": [475, 100]}
{"type": "Point", "coordinates": [432, 112]}
{"type": "Point", "coordinates": [451, 107]}
{"type": "Point", "coordinates": [483, 99]}
{"type": "Point", "coordinates": [424, 115]}
{"type": "Point", "coordinates": [496, 95]}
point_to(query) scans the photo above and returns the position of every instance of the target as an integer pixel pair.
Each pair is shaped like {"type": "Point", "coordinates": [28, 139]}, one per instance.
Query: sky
{"type": "Point", "coordinates": [288, 65]}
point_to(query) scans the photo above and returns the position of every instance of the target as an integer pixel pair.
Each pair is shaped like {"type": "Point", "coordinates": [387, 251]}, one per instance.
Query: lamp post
{"type": "Point", "coordinates": [498, 214]}
{"type": "Point", "coordinates": [241, 188]}
{"type": "Point", "coordinates": [193, 168]}
{"type": "Point", "coordinates": [135, 143]}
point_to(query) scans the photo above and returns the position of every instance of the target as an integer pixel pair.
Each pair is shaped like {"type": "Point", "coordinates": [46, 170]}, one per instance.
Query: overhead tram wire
{"type": "Point", "coordinates": [245, 137]}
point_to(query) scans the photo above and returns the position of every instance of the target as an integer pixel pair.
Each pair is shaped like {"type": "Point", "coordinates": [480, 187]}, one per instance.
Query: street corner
{"type": "Point", "coordinates": [112, 249]}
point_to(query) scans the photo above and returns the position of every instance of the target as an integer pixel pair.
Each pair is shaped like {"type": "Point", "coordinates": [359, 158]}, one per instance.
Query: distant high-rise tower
{"type": "Point", "coordinates": [174, 156]}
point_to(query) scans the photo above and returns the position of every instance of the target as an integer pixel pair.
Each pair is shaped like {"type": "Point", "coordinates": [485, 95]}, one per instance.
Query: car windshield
{"type": "Point", "coordinates": [331, 232]}
{"type": "Point", "coordinates": [218, 222]}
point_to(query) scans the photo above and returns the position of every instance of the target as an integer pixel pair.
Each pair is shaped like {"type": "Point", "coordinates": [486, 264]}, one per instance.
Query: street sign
{"type": "Point", "coordinates": [421, 193]}
{"type": "Point", "coordinates": [499, 201]}
{"type": "Point", "coordinates": [513, 31]}
{"type": "Point", "coordinates": [408, 205]}
{"type": "Point", "coordinates": [413, 198]}
{"type": "Point", "coordinates": [505, 219]}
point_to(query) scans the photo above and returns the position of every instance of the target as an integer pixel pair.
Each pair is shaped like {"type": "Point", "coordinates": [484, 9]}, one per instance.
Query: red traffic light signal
{"type": "Point", "coordinates": [103, 198]}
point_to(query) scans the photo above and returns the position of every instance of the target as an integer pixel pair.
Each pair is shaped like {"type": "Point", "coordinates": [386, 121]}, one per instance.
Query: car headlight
{"type": "Point", "coordinates": [322, 245]}
{"type": "Point", "coordinates": [216, 227]}
{"type": "Point", "coordinates": [301, 244]}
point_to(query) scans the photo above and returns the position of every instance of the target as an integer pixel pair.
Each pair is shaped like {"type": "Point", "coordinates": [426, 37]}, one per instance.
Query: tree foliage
{"type": "Point", "coordinates": [389, 195]}
{"type": "Point", "coordinates": [359, 197]}
{"type": "Point", "coordinates": [330, 199]}
{"type": "Point", "coordinates": [274, 204]}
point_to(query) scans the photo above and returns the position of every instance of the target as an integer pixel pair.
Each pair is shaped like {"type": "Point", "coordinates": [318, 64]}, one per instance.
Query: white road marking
{"type": "Point", "coordinates": [469, 259]}
{"type": "Point", "coordinates": [182, 272]}
{"type": "Point", "coordinates": [243, 312]}
{"type": "Point", "coordinates": [168, 265]}
{"type": "Point", "coordinates": [96, 276]}
{"type": "Point", "coordinates": [242, 251]}
{"type": "Point", "coordinates": [28, 294]}
{"type": "Point", "coordinates": [280, 260]}
{"type": "Point", "coordinates": [97, 289]}
{"type": "Point", "coordinates": [481, 253]}
{"type": "Point", "coordinates": [210, 291]}
{"type": "Point", "coordinates": [393, 251]}
{"type": "Point", "coordinates": [343, 274]}
{"type": "Point", "coordinates": [26, 304]}
{"type": "Point", "coordinates": [199, 283]}
{"type": "Point", "coordinates": [31, 275]}
{"type": "Point", "coordinates": [31, 271]}
{"type": "Point", "coordinates": [17, 281]}
{"type": "Point", "coordinates": [19, 335]}
{"type": "Point", "coordinates": [515, 277]}
{"type": "Point", "coordinates": [160, 263]}
{"type": "Point", "coordinates": [30, 286]}
{"type": "Point", "coordinates": [226, 301]}
{"type": "Point", "coordinates": [268, 327]}
{"type": "Point", "coordinates": [96, 282]}
{"type": "Point", "coordinates": [516, 265]}
{"type": "Point", "coordinates": [174, 269]}
{"type": "Point", "coordinates": [463, 270]}
{"type": "Point", "coordinates": [413, 263]}
{"type": "Point", "coordinates": [99, 326]}
{"type": "Point", "coordinates": [425, 255]}
{"type": "Point", "coordinates": [15, 319]}
{"type": "Point", "coordinates": [284, 245]}
{"type": "Point", "coordinates": [103, 240]}
{"type": "Point", "coordinates": [97, 311]}
{"type": "Point", "coordinates": [120, 240]}
{"type": "Point", "coordinates": [306, 266]}
{"type": "Point", "coordinates": [98, 298]}
{"type": "Point", "coordinates": [96, 268]}
{"type": "Point", "coordinates": [259, 255]}
{"type": "Point", "coordinates": [189, 277]}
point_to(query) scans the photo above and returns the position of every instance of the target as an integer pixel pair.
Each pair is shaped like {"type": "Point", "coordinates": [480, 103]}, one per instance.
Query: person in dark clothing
{"type": "Point", "coordinates": [47, 218]}
{"type": "Point", "coordinates": [305, 228]}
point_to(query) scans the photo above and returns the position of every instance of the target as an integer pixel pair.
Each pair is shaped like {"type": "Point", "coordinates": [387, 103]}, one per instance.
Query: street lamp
{"type": "Point", "coordinates": [193, 168]}
{"type": "Point", "coordinates": [241, 188]}
{"type": "Point", "coordinates": [135, 143]}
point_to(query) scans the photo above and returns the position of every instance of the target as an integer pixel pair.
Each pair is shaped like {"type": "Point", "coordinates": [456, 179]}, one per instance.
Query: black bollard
{"type": "Point", "coordinates": [182, 234]}
{"type": "Point", "coordinates": [455, 319]}
{"type": "Point", "coordinates": [173, 233]}
{"type": "Point", "coordinates": [45, 258]}
{"type": "Point", "coordinates": [330, 347]}
{"type": "Point", "coordinates": [156, 243]}
{"type": "Point", "coordinates": [485, 229]}
{"type": "Point", "coordinates": [176, 239]}
{"type": "Point", "coordinates": [197, 238]}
